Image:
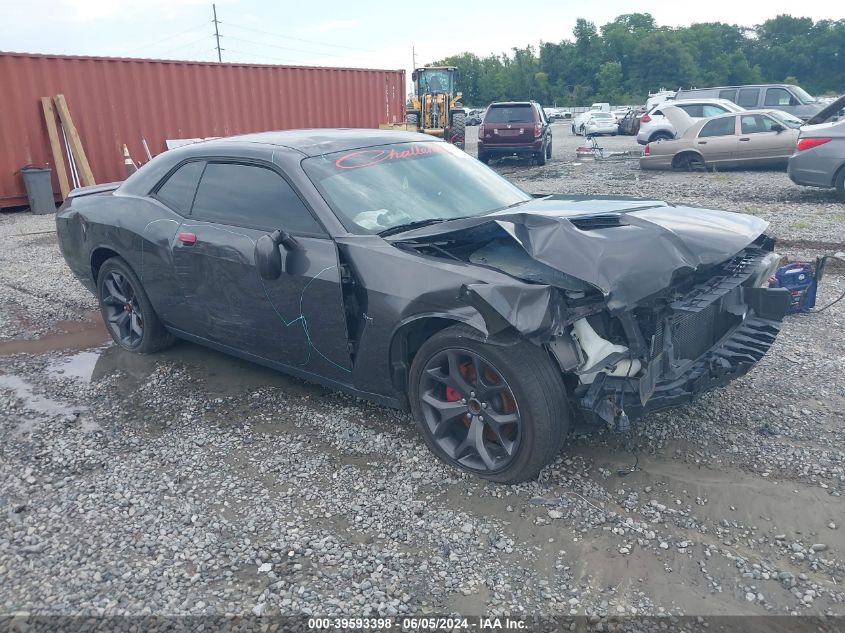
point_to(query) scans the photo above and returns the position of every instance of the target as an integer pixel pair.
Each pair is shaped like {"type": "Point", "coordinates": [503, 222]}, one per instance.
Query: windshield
{"type": "Point", "coordinates": [377, 188]}
{"type": "Point", "coordinates": [802, 95]}
{"type": "Point", "coordinates": [787, 119]}
{"type": "Point", "coordinates": [510, 114]}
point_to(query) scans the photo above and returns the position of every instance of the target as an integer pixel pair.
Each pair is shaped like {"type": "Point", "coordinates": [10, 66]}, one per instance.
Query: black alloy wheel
{"type": "Point", "coordinates": [497, 411]}
{"type": "Point", "coordinates": [127, 312]}
{"type": "Point", "coordinates": [470, 410]}
{"type": "Point", "coordinates": [122, 310]}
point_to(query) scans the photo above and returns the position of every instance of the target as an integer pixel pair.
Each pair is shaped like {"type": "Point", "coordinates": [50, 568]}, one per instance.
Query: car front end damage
{"type": "Point", "coordinates": [644, 305]}
{"type": "Point", "coordinates": [693, 338]}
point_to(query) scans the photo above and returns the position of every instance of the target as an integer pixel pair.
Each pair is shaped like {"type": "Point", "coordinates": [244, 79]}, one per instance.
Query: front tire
{"type": "Point", "coordinates": [457, 133]}
{"type": "Point", "coordinates": [496, 411]}
{"type": "Point", "coordinates": [127, 312]}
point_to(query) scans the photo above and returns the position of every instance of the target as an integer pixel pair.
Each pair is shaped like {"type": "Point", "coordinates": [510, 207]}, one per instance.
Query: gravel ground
{"type": "Point", "coordinates": [191, 483]}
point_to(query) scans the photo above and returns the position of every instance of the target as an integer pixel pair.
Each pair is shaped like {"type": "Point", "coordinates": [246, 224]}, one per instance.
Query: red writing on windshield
{"type": "Point", "coordinates": [370, 157]}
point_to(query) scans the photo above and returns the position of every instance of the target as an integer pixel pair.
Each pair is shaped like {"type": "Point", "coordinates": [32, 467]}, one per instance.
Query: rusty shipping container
{"type": "Point", "coordinates": [119, 100]}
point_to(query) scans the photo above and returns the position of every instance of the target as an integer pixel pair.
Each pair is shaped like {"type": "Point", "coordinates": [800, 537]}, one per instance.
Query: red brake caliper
{"type": "Point", "coordinates": [453, 395]}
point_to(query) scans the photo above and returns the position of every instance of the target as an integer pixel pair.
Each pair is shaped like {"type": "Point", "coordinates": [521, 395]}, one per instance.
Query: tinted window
{"type": "Point", "coordinates": [712, 110]}
{"type": "Point", "coordinates": [718, 127]}
{"type": "Point", "coordinates": [748, 97]}
{"type": "Point", "coordinates": [510, 114]}
{"type": "Point", "coordinates": [250, 195]}
{"type": "Point", "coordinates": [693, 109]}
{"type": "Point", "coordinates": [730, 95]}
{"type": "Point", "coordinates": [780, 97]}
{"type": "Point", "coordinates": [178, 191]}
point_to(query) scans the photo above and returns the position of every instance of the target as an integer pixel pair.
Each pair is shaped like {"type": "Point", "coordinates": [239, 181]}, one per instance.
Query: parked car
{"type": "Point", "coordinates": [787, 97]}
{"type": "Point", "coordinates": [515, 128]}
{"type": "Point", "coordinates": [554, 114]}
{"type": "Point", "coordinates": [392, 266]}
{"type": "Point", "coordinates": [753, 138]}
{"type": "Point", "coordinates": [655, 127]}
{"type": "Point", "coordinates": [819, 158]}
{"type": "Point", "coordinates": [598, 124]}
{"type": "Point", "coordinates": [475, 117]}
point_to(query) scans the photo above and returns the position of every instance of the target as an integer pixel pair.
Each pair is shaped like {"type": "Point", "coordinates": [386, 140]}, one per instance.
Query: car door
{"type": "Point", "coordinates": [716, 140]}
{"type": "Point", "coordinates": [297, 320]}
{"type": "Point", "coordinates": [758, 143]}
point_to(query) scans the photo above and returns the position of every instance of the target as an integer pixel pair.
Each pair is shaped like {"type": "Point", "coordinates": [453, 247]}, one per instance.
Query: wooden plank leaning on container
{"type": "Point", "coordinates": [55, 147]}
{"type": "Point", "coordinates": [85, 174]}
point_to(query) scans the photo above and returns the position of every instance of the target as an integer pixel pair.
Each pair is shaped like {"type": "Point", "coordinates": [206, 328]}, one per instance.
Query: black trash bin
{"type": "Point", "coordinates": [39, 189]}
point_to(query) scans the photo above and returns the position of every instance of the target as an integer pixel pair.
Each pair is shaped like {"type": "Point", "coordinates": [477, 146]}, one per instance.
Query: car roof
{"type": "Point", "coordinates": [510, 103]}
{"type": "Point", "coordinates": [317, 141]}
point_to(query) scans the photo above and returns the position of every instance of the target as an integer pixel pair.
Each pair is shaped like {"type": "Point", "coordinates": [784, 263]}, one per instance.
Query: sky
{"type": "Point", "coordinates": [363, 34]}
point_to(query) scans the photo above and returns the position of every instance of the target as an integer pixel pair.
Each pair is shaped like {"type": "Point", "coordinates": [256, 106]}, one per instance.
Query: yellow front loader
{"type": "Point", "coordinates": [435, 108]}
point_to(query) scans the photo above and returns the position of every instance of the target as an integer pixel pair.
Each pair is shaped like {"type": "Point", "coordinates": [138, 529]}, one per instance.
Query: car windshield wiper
{"type": "Point", "coordinates": [401, 228]}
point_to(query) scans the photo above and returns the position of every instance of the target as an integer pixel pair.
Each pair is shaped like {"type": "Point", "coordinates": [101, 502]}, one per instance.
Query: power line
{"type": "Point", "coordinates": [298, 39]}
{"type": "Point", "coordinates": [184, 44]}
{"type": "Point", "coordinates": [169, 37]}
{"type": "Point", "coordinates": [275, 59]}
{"type": "Point", "coordinates": [288, 48]}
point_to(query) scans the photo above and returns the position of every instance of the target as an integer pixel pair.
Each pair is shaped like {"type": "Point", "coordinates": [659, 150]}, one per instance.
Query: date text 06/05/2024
{"type": "Point", "coordinates": [416, 624]}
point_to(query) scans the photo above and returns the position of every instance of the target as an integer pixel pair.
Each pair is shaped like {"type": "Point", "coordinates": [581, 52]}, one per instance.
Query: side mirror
{"type": "Point", "coordinates": [777, 127]}
{"type": "Point", "coordinates": [268, 257]}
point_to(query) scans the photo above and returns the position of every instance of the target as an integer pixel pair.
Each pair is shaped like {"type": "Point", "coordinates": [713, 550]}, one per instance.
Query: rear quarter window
{"type": "Point", "coordinates": [177, 192]}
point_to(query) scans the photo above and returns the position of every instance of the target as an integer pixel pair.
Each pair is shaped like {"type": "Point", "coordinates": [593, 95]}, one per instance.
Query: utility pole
{"type": "Point", "coordinates": [413, 58]}
{"type": "Point", "coordinates": [217, 33]}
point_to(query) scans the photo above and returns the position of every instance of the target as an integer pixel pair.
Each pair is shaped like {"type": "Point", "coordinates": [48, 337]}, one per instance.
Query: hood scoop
{"type": "Point", "coordinates": [595, 222]}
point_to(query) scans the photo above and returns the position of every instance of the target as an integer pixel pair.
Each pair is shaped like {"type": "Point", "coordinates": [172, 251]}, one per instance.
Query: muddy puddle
{"type": "Point", "coordinates": [39, 407]}
{"type": "Point", "coordinates": [72, 335]}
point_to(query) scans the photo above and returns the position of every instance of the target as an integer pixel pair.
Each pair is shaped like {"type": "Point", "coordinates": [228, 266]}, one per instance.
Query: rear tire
{"type": "Point", "coordinates": [840, 184]}
{"type": "Point", "coordinates": [127, 312]}
{"type": "Point", "coordinates": [518, 383]}
{"type": "Point", "coordinates": [540, 157]}
{"type": "Point", "coordinates": [412, 119]}
{"type": "Point", "coordinates": [457, 132]}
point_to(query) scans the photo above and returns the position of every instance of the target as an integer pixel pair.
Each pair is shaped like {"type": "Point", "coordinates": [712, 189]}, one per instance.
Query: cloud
{"type": "Point", "coordinates": [334, 25]}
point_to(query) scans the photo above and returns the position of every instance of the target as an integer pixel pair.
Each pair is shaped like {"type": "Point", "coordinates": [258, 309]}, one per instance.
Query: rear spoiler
{"type": "Point", "coordinates": [94, 189]}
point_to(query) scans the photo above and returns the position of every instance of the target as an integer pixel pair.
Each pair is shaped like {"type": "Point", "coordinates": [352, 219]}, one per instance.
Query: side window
{"type": "Point", "coordinates": [658, 113]}
{"type": "Point", "coordinates": [694, 110]}
{"type": "Point", "coordinates": [730, 95]}
{"type": "Point", "coordinates": [177, 192]}
{"type": "Point", "coordinates": [712, 110]}
{"type": "Point", "coordinates": [780, 97]}
{"type": "Point", "coordinates": [250, 195]}
{"type": "Point", "coordinates": [751, 124]}
{"type": "Point", "coordinates": [718, 127]}
{"type": "Point", "coordinates": [748, 97]}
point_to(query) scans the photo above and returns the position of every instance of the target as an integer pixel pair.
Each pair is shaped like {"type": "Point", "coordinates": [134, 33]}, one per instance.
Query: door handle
{"type": "Point", "coordinates": [702, 142]}
{"type": "Point", "coordinates": [745, 138]}
{"type": "Point", "coordinates": [187, 238]}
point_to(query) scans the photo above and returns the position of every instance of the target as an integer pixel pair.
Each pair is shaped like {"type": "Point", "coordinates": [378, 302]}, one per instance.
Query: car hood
{"type": "Point", "coordinates": [628, 248]}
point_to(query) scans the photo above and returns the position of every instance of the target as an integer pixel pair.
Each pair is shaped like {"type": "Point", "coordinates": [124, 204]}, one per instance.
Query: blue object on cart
{"type": "Point", "coordinates": [801, 281]}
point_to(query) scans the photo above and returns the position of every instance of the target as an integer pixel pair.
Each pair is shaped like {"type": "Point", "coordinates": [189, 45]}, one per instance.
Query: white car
{"type": "Point", "coordinates": [656, 127]}
{"type": "Point", "coordinates": [600, 123]}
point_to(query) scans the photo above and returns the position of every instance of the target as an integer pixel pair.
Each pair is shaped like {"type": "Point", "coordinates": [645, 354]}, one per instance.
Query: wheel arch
{"type": "Point", "coordinates": [99, 256]}
{"type": "Point", "coordinates": [409, 336]}
{"type": "Point", "coordinates": [684, 153]}
{"type": "Point", "coordinates": [836, 172]}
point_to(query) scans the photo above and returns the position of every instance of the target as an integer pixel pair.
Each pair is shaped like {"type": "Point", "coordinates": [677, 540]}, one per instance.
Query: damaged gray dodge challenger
{"type": "Point", "coordinates": [395, 267]}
